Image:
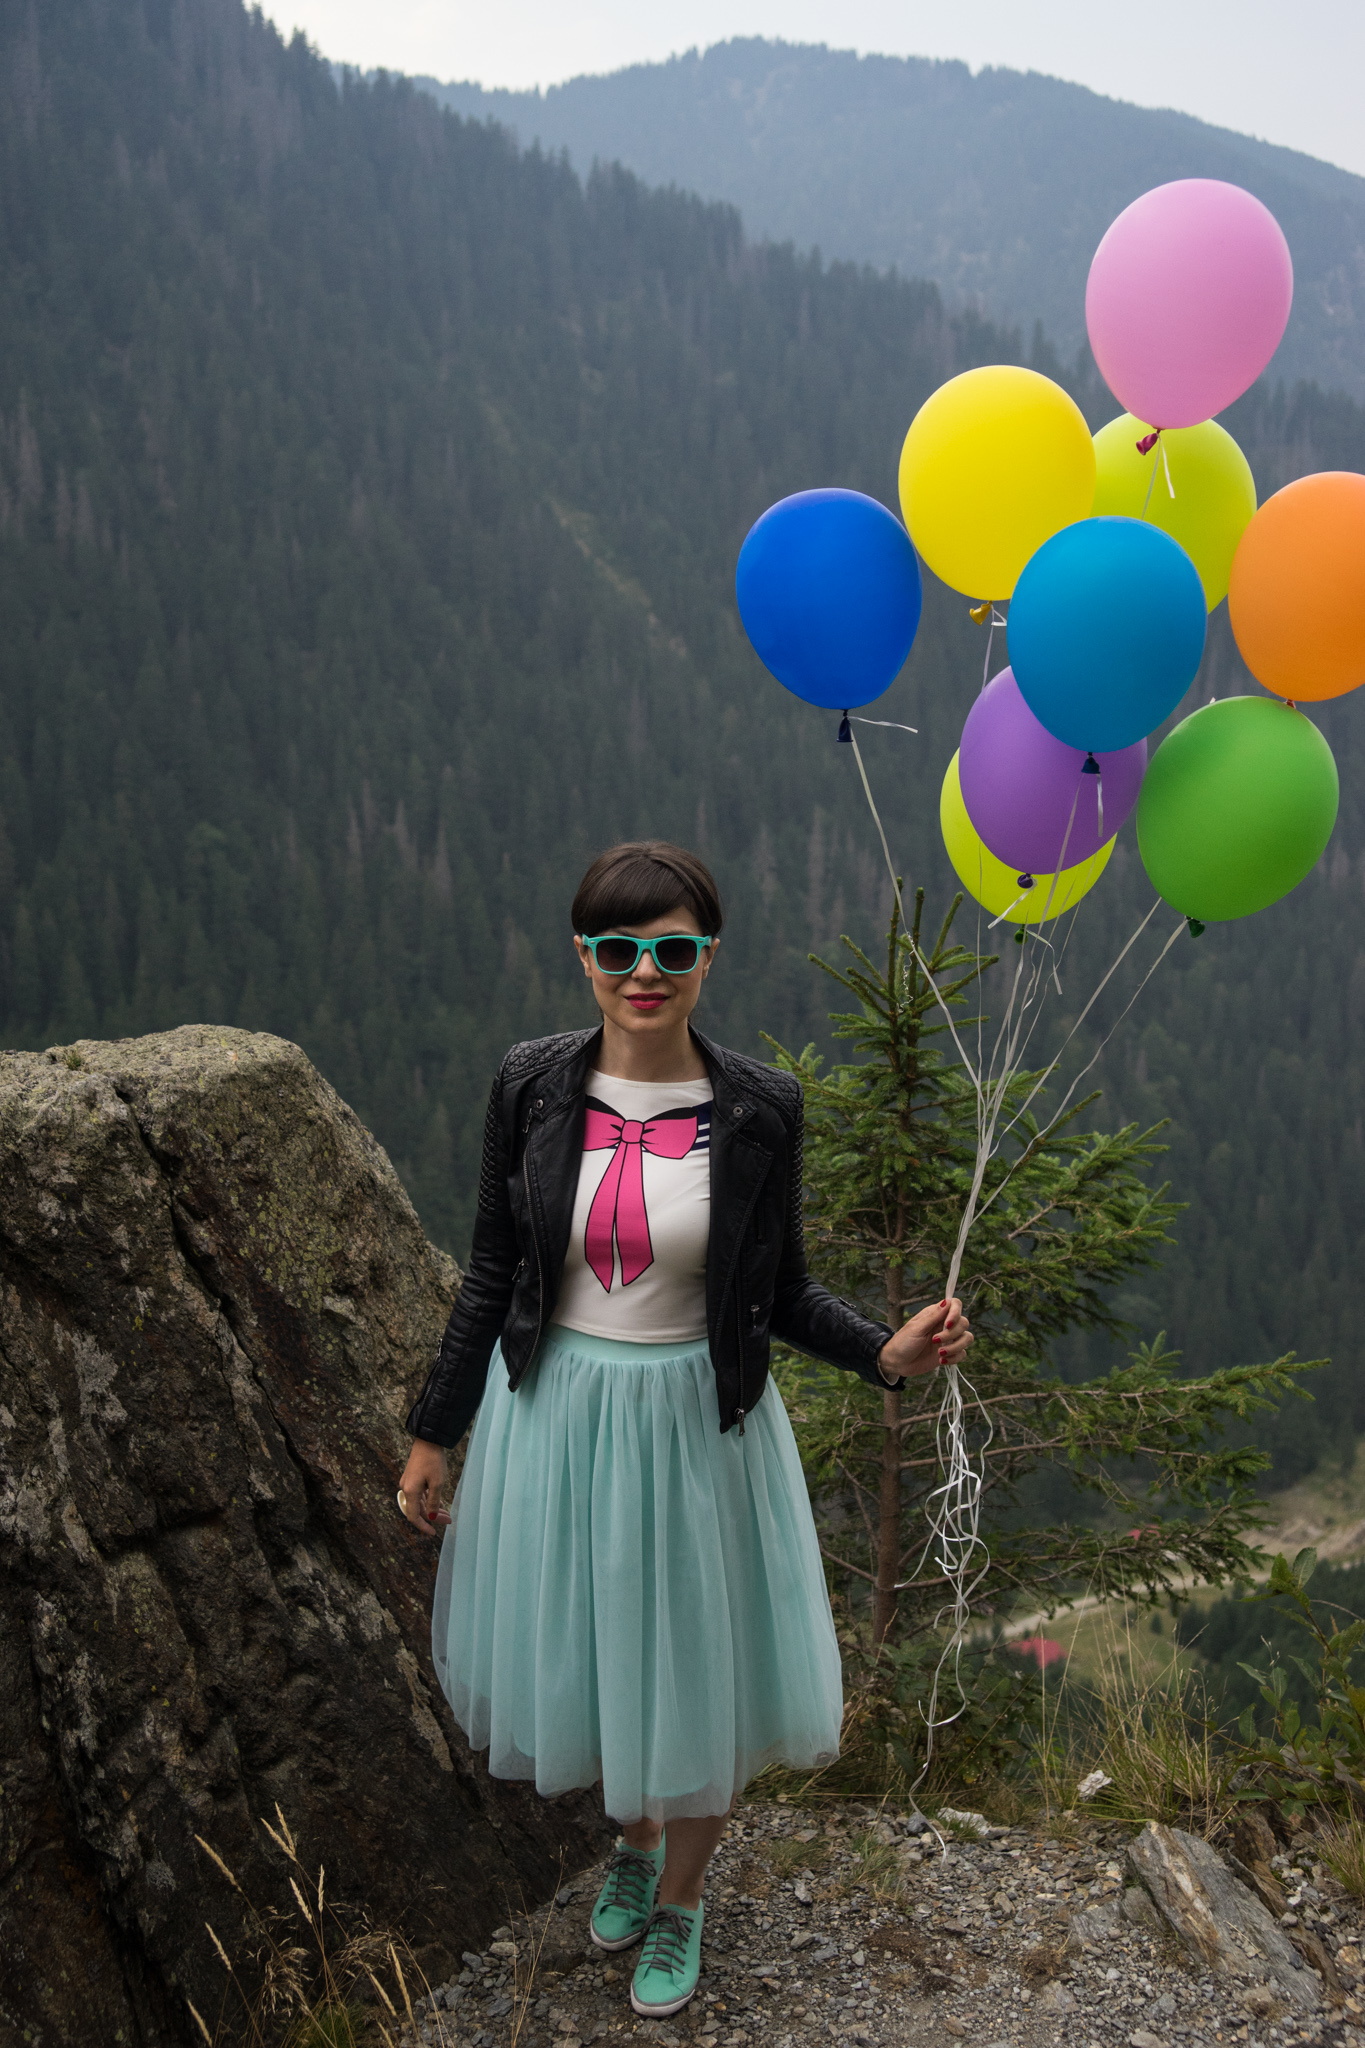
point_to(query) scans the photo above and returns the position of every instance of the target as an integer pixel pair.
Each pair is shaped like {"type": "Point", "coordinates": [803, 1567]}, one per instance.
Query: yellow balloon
{"type": "Point", "coordinates": [1215, 494]}
{"type": "Point", "coordinates": [995, 463]}
{"type": "Point", "coordinates": [998, 888]}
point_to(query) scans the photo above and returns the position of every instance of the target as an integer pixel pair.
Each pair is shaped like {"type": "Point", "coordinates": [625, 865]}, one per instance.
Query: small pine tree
{"type": "Point", "coordinates": [1064, 1216]}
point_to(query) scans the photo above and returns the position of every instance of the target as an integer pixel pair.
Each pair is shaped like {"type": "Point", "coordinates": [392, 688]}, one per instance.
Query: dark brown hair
{"type": "Point", "coordinates": [641, 880]}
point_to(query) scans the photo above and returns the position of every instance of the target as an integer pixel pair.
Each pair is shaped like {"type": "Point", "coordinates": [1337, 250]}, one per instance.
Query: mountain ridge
{"type": "Point", "coordinates": [996, 185]}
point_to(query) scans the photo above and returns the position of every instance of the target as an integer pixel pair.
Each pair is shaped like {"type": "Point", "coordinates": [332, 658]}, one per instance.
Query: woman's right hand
{"type": "Point", "coordinates": [424, 1476]}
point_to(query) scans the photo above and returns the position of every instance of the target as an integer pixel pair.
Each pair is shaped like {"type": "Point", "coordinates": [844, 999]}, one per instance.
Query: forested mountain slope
{"type": "Point", "coordinates": [369, 500]}
{"type": "Point", "coordinates": [998, 187]}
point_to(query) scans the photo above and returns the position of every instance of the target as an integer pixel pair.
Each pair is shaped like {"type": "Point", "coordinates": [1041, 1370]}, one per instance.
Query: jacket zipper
{"type": "Point", "coordinates": [535, 1239]}
{"type": "Point", "coordinates": [753, 1332]}
{"type": "Point", "coordinates": [739, 1414]}
{"type": "Point", "coordinates": [733, 1281]}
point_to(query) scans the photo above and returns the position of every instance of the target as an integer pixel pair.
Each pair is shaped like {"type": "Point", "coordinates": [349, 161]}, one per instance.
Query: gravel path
{"type": "Point", "coordinates": [846, 1926]}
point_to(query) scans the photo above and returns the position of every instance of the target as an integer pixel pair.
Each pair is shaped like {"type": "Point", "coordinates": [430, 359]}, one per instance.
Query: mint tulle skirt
{"type": "Point", "coordinates": [625, 1594]}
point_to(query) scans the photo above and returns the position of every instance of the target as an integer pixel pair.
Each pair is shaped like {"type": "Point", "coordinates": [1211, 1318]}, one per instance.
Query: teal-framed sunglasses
{"type": "Point", "coordinates": [614, 953]}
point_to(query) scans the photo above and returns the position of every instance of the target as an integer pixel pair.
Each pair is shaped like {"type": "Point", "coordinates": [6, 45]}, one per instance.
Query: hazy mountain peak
{"type": "Point", "coordinates": [997, 185]}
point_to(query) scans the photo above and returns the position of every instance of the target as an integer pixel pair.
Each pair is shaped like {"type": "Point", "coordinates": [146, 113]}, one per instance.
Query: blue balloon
{"type": "Point", "coordinates": [829, 591]}
{"type": "Point", "coordinates": [1106, 631]}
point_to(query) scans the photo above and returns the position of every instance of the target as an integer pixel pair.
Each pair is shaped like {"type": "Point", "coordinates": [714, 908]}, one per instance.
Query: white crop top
{"type": "Point", "coordinates": [636, 1265]}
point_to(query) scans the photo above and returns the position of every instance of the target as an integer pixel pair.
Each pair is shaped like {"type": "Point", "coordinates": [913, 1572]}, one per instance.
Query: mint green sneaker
{"type": "Point", "coordinates": [626, 1900]}
{"type": "Point", "coordinates": [670, 1962]}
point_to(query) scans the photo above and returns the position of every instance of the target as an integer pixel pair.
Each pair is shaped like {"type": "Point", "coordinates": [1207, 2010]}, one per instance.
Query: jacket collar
{"type": "Point", "coordinates": [735, 1107]}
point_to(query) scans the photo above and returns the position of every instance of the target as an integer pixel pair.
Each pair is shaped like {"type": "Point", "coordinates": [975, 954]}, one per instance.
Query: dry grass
{"type": "Point", "coordinates": [1005, 1801]}
{"type": "Point", "coordinates": [1046, 1959]}
{"type": "Point", "coordinates": [526, 1965]}
{"type": "Point", "coordinates": [1131, 1704]}
{"type": "Point", "coordinates": [1342, 1849]}
{"type": "Point", "coordinates": [344, 2026]}
{"type": "Point", "coordinates": [878, 1868]}
{"type": "Point", "coordinates": [1153, 1735]}
{"type": "Point", "coordinates": [1113, 1631]}
{"type": "Point", "coordinates": [307, 1981]}
{"type": "Point", "coordinates": [786, 1857]}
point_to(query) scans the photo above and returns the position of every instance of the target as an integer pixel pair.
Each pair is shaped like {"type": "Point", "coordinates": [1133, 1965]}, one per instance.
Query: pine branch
{"type": "Point", "coordinates": [843, 1562]}
{"type": "Point", "coordinates": [1067, 1218]}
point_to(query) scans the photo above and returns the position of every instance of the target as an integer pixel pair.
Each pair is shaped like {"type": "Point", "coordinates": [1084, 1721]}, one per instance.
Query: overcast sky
{"type": "Point", "coordinates": [1290, 71]}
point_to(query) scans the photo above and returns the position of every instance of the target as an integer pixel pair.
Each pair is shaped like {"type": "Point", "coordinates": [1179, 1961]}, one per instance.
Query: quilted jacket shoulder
{"type": "Point", "coordinates": [534, 1055]}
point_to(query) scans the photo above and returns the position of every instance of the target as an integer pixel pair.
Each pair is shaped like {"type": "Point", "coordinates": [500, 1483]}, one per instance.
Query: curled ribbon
{"type": "Point", "coordinates": [618, 1207]}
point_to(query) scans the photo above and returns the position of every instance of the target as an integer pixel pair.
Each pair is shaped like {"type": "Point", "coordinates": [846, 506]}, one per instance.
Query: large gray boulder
{"type": "Point", "coordinates": [216, 1302]}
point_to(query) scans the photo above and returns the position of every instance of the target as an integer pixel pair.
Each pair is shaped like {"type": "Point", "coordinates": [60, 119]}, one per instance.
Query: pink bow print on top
{"type": "Point", "coordinates": [618, 1207]}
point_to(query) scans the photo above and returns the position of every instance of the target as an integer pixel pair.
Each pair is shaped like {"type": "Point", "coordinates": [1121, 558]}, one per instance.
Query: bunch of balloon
{"type": "Point", "coordinates": [1188, 296]}
{"type": "Point", "coordinates": [996, 463]}
{"type": "Point", "coordinates": [1187, 299]}
{"type": "Point", "coordinates": [1106, 633]}
{"type": "Point", "coordinates": [1109, 552]}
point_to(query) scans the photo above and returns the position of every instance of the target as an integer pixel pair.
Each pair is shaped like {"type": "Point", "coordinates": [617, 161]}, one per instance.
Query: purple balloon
{"type": "Point", "coordinates": [1019, 784]}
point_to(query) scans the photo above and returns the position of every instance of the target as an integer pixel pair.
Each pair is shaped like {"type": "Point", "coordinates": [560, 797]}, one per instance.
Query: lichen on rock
{"type": "Point", "coordinates": [216, 1303]}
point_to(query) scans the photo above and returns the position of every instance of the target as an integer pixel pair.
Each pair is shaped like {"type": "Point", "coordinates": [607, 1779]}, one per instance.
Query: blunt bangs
{"type": "Point", "coordinates": [643, 879]}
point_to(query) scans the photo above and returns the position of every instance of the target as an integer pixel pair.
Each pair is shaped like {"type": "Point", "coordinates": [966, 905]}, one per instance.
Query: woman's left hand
{"type": "Point", "coordinates": [938, 1335]}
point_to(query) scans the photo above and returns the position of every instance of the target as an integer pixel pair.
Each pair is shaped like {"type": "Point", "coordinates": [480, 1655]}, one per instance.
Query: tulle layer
{"type": "Point", "coordinates": [625, 1593]}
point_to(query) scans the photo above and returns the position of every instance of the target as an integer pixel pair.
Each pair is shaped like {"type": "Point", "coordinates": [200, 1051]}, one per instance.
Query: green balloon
{"type": "Point", "coordinates": [1236, 806]}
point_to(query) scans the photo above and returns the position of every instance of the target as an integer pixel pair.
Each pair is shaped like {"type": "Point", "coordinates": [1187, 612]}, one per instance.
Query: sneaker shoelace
{"type": "Point", "coordinates": [666, 1939]}
{"type": "Point", "coordinates": [630, 1879]}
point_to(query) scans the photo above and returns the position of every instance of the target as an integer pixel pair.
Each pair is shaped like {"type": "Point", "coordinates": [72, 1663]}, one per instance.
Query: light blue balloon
{"type": "Point", "coordinates": [1106, 632]}
{"type": "Point", "coordinates": [829, 591]}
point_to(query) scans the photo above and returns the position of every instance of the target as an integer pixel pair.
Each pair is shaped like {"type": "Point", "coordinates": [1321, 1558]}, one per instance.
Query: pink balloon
{"type": "Point", "coordinates": [1188, 295]}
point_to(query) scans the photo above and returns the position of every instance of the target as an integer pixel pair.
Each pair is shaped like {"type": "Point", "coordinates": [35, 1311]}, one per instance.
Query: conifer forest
{"type": "Point", "coordinates": [370, 492]}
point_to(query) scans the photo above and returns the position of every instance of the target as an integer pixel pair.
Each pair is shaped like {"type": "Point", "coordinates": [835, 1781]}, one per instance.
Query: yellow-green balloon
{"type": "Point", "coordinates": [1215, 494]}
{"type": "Point", "coordinates": [998, 887]}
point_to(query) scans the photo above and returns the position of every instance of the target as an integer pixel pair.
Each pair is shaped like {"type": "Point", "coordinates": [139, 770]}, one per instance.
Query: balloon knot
{"type": "Point", "coordinates": [1091, 766]}
{"type": "Point", "coordinates": [845, 729]}
{"type": "Point", "coordinates": [1019, 936]}
{"type": "Point", "coordinates": [1196, 929]}
{"type": "Point", "coordinates": [1148, 442]}
{"type": "Point", "coordinates": [980, 613]}
{"type": "Point", "coordinates": [1024, 881]}
{"type": "Point", "coordinates": [1290, 702]}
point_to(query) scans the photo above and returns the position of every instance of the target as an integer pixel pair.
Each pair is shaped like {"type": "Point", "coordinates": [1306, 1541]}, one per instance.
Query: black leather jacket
{"type": "Point", "coordinates": [757, 1285]}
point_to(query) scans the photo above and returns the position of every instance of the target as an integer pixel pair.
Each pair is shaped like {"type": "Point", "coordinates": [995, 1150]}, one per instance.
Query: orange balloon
{"type": "Point", "coordinates": [1297, 594]}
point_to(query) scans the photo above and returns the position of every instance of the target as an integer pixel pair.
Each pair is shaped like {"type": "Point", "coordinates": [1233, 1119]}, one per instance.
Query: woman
{"type": "Point", "coordinates": [632, 1592]}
